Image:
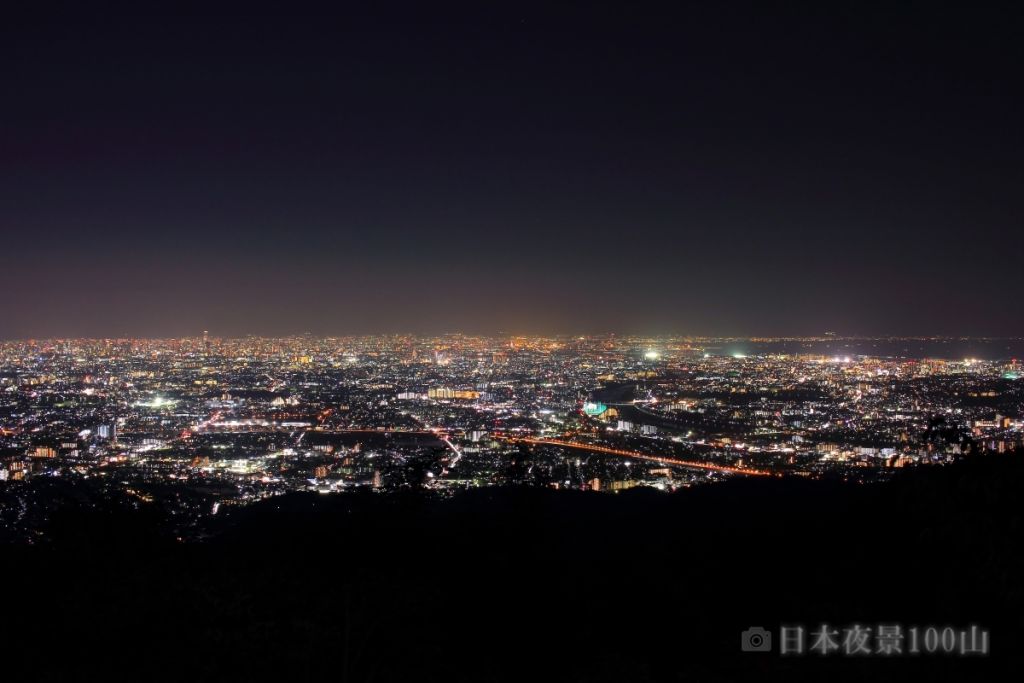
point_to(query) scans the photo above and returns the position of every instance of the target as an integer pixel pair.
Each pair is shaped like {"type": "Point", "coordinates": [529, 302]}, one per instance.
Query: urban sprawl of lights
{"type": "Point", "coordinates": [197, 424]}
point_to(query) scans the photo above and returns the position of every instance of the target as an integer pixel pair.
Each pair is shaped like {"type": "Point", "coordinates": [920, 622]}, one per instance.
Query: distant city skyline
{"type": "Point", "coordinates": [652, 347]}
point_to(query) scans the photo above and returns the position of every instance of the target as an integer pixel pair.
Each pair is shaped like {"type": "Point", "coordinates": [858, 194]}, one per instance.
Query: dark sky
{"type": "Point", "coordinates": [717, 168]}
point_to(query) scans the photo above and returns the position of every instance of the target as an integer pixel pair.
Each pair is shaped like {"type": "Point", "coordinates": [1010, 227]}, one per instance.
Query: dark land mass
{"type": "Point", "coordinates": [525, 584]}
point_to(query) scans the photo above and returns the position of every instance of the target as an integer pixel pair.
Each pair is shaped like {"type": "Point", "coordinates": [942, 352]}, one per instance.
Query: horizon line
{"type": "Point", "coordinates": [518, 335]}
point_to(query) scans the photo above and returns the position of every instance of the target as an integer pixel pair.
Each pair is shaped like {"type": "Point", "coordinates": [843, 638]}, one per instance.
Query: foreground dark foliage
{"type": "Point", "coordinates": [526, 584]}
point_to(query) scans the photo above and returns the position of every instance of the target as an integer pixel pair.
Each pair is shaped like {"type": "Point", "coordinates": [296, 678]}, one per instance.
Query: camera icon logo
{"type": "Point", "coordinates": [756, 639]}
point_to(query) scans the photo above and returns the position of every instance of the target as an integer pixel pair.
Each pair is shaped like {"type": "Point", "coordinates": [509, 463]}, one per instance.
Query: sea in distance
{"type": "Point", "coordinates": [951, 348]}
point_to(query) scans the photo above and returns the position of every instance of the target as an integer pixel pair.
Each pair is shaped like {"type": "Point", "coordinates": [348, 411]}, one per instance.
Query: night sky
{"type": "Point", "coordinates": [722, 169]}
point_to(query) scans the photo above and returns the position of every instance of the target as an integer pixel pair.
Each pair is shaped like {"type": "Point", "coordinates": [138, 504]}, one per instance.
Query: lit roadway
{"type": "Point", "coordinates": [643, 456]}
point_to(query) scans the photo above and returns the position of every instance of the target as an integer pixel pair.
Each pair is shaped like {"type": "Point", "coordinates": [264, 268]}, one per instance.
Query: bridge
{"type": "Point", "coordinates": [643, 456]}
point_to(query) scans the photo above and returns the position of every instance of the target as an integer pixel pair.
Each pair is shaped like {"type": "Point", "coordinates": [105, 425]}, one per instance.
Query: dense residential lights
{"type": "Point", "coordinates": [266, 416]}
